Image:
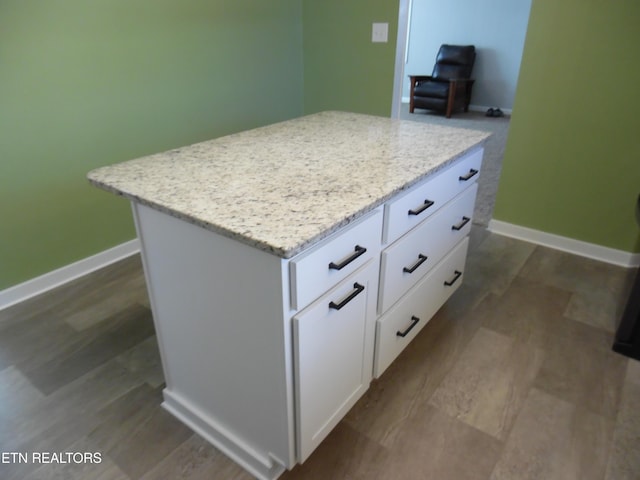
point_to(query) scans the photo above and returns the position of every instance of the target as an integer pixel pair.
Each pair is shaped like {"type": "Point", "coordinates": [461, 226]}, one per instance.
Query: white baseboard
{"type": "Point", "coordinates": [475, 108]}
{"type": "Point", "coordinates": [565, 244]}
{"type": "Point", "coordinates": [484, 108]}
{"type": "Point", "coordinates": [36, 286]}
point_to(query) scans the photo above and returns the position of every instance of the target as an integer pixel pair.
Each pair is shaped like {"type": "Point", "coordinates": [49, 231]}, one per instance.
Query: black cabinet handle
{"type": "Point", "coordinates": [339, 266]}
{"type": "Point", "coordinates": [414, 322]}
{"type": "Point", "coordinates": [358, 288]}
{"type": "Point", "coordinates": [456, 276]}
{"type": "Point", "coordinates": [459, 226]}
{"type": "Point", "coordinates": [472, 173]}
{"type": "Point", "coordinates": [421, 260]}
{"type": "Point", "coordinates": [421, 208]}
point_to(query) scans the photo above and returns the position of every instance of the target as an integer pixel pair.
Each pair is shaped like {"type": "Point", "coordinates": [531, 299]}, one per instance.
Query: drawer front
{"type": "Point", "coordinates": [332, 359]}
{"type": "Point", "coordinates": [406, 261]}
{"type": "Point", "coordinates": [401, 324]}
{"type": "Point", "coordinates": [406, 212]}
{"type": "Point", "coordinates": [315, 271]}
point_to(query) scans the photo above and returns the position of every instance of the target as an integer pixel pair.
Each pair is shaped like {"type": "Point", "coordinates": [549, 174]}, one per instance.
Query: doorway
{"type": "Point", "coordinates": [496, 27]}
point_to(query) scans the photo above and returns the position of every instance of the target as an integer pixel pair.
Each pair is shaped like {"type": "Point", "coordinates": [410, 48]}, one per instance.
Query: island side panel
{"type": "Point", "coordinates": [221, 313]}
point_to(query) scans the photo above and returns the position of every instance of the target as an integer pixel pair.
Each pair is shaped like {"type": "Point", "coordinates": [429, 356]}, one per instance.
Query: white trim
{"type": "Point", "coordinates": [474, 108]}
{"type": "Point", "coordinates": [565, 244]}
{"type": "Point", "coordinates": [402, 41]}
{"type": "Point", "coordinates": [48, 281]}
{"type": "Point", "coordinates": [484, 108]}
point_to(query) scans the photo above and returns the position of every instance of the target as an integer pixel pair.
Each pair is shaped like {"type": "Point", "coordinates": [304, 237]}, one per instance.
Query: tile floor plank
{"type": "Point", "coordinates": [432, 445]}
{"type": "Point", "coordinates": [196, 459]}
{"type": "Point", "coordinates": [120, 332]}
{"type": "Point", "coordinates": [553, 440]}
{"type": "Point", "coordinates": [72, 403]}
{"type": "Point", "coordinates": [624, 459]}
{"type": "Point", "coordinates": [132, 453]}
{"type": "Point", "coordinates": [144, 360]}
{"type": "Point", "coordinates": [489, 382]}
{"type": "Point", "coordinates": [105, 469]}
{"type": "Point", "coordinates": [346, 454]}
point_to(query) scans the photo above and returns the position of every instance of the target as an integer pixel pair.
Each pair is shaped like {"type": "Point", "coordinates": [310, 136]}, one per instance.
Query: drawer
{"type": "Point", "coordinates": [401, 324]}
{"type": "Point", "coordinates": [420, 202]}
{"type": "Point", "coordinates": [315, 271]}
{"type": "Point", "coordinates": [413, 255]}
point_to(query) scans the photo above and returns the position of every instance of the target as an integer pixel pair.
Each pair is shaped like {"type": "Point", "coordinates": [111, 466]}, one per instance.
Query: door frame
{"type": "Point", "coordinates": [404, 16]}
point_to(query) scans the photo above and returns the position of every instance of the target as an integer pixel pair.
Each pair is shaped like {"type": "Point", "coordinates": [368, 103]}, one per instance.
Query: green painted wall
{"type": "Point", "coordinates": [84, 84]}
{"type": "Point", "coordinates": [572, 159]}
{"type": "Point", "coordinates": [343, 69]}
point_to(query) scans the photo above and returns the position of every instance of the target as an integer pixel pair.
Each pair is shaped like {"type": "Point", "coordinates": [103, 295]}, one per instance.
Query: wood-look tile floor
{"type": "Point", "coordinates": [514, 378]}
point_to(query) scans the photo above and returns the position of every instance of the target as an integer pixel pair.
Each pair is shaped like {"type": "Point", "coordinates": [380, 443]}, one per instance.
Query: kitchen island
{"type": "Point", "coordinates": [290, 264]}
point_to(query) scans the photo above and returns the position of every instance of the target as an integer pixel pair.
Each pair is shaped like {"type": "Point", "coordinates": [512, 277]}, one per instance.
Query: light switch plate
{"type": "Point", "coordinates": [380, 32]}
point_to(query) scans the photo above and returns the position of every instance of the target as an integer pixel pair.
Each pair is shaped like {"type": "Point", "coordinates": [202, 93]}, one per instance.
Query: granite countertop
{"type": "Point", "coordinates": [285, 186]}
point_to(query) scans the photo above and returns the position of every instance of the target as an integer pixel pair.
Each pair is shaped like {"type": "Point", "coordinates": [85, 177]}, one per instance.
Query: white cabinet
{"type": "Point", "coordinates": [264, 355]}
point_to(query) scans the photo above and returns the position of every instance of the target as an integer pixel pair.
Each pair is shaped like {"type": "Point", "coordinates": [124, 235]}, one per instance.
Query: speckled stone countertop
{"type": "Point", "coordinates": [285, 186]}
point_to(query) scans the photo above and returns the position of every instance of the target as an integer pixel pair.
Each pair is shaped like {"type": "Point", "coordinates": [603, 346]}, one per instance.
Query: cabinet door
{"type": "Point", "coordinates": [331, 340]}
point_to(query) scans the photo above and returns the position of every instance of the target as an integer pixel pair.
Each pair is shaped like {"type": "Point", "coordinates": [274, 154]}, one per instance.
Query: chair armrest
{"type": "Point", "coordinates": [420, 78]}
{"type": "Point", "coordinates": [415, 80]}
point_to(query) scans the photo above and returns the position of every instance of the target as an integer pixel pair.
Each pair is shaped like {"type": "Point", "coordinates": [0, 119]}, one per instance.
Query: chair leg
{"type": "Point", "coordinates": [452, 96]}
{"type": "Point", "coordinates": [411, 90]}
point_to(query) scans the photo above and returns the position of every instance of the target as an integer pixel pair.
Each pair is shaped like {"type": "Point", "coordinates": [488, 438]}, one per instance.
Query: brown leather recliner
{"type": "Point", "coordinates": [449, 86]}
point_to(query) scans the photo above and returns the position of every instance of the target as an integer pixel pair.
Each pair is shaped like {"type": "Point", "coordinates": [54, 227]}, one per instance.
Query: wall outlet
{"type": "Point", "coordinates": [380, 32]}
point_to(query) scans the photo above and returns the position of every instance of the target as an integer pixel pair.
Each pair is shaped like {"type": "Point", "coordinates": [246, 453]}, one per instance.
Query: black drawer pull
{"type": "Point", "coordinates": [421, 208]}
{"type": "Point", "coordinates": [339, 266]}
{"type": "Point", "coordinates": [459, 226]}
{"type": "Point", "coordinates": [456, 276]}
{"type": "Point", "coordinates": [358, 288]}
{"type": "Point", "coordinates": [472, 173]}
{"type": "Point", "coordinates": [421, 260]}
{"type": "Point", "coordinates": [414, 322]}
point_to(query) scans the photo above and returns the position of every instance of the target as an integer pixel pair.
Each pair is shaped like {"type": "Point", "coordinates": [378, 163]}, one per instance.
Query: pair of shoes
{"type": "Point", "coordinates": [494, 112]}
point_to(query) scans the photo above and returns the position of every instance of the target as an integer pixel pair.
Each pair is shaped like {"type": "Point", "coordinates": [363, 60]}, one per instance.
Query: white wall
{"type": "Point", "coordinates": [496, 27]}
